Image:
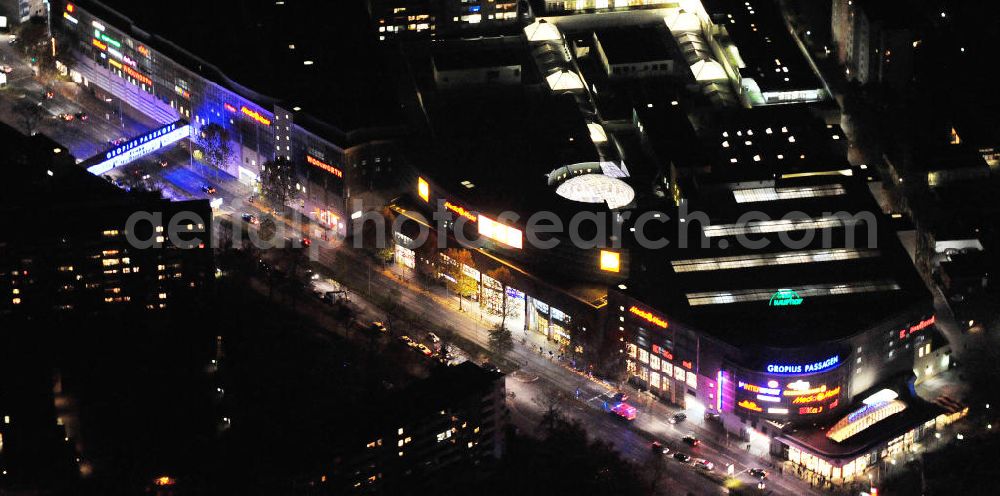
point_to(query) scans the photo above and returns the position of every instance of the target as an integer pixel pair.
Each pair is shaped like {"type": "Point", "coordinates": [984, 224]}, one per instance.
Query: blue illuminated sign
{"type": "Point", "coordinates": [142, 145]}
{"type": "Point", "coordinates": [809, 368]}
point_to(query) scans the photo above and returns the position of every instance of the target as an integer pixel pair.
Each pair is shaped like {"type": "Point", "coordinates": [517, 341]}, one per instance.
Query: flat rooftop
{"type": "Point", "coordinates": [727, 259]}
{"type": "Point", "coordinates": [346, 86]}
{"type": "Point", "coordinates": [636, 45]}
{"type": "Point", "coordinates": [770, 53]}
{"type": "Point", "coordinates": [494, 150]}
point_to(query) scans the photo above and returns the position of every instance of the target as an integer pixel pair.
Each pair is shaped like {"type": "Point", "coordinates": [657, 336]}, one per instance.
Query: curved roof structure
{"type": "Point", "coordinates": [597, 188]}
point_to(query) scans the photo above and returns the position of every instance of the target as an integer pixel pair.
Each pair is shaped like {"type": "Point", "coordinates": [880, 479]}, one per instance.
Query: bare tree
{"type": "Point", "coordinates": [463, 285]}
{"type": "Point", "coordinates": [31, 114]}
{"type": "Point", "coordinates": [504, 277]}
{"type": "Point", "coordinates": [213, 139]}
{"type": "Point", "coordinates": [501, 341]}
{"type": "Point", "coordinates": [551, 403]}
{"type": "Point", "coordinates": [276, 180]}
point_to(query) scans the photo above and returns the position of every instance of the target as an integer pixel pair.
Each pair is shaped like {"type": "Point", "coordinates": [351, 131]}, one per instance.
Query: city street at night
{"type": "Point", "coordinates": [498, 247]}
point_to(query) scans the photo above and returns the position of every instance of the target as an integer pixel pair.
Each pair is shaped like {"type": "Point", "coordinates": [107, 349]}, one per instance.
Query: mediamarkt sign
{"type": "Point", "coordinates": [808, 368]}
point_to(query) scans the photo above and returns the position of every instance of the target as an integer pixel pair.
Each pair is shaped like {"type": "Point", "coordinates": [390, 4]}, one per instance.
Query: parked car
{"type": "Point", "coordinates": [713, 416]}
{"type": "Point", "coordinates": [678, 418]}
{"type": "Point", "coordinates": [691, 440]}
{"type": "Point", "coordinates": [682, 457]}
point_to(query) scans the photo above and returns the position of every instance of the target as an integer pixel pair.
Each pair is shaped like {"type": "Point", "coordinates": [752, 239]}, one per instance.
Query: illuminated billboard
{"type": "Point", "coordinates": [324, 166]}
{"type": "Point", "coordinates": [791, 390]}
{"type": "Point", "coordinates": [423, 189]}
{"type": "Point", "coordinates": [500, 233]}
{"type": "Point", "coordinates": [610, 261]}
{"type": "Point", "coordinates": [140, 146]}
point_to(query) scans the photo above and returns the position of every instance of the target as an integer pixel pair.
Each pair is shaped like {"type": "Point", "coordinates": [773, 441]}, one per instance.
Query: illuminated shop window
{"type": "Point", "coordinates": [667, 368]}
{"type": "Point", "coordinates": [679, 374]}
{"type": "Point", "coordinates": [631, 350]}
{"type": "Point", "coordinates": [692, 380]}
{"type": "Point", "coordinates": [643, 356]}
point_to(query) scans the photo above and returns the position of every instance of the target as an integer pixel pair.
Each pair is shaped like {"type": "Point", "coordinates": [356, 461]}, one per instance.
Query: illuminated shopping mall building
{"type": "Point", "coordinates": [784, 301]}
{"type": "Point", "coordinates": [279, 104]}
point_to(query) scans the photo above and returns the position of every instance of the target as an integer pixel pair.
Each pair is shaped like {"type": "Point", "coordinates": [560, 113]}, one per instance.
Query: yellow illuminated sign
{"type": "Point", "coordinates": [648, 317]}
{"type": "Point", "coordinates": [460, 210]}
{"type": "Point", "coordinates": [749, 405]}
{"type": "Point", "coordinates": [499, 232]}
{"type": "Point", "coordinates": [610, 261]}
{"type": "Point", "coordinates": [423, 189]}
{"type": "Point", "coordinates": [814, 398]}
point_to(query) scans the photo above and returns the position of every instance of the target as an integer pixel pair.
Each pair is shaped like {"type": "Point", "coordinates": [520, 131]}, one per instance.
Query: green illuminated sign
{"type": "Point", "coordinates": [785, 298]}
{"type": "Point", "coordinates": [103, 37]}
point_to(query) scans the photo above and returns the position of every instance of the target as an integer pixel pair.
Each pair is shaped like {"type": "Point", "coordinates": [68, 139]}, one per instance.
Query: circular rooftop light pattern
{"type": "Point", "coordinates": [597, 188]}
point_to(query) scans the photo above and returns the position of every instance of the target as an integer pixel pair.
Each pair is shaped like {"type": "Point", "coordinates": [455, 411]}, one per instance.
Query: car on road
{"type": "Point", "coordinates": [163, 163]}
{"type": "Point", "coordinates": [66, 117]}
{"type": "Point", "coordinates": [691, 440]}
{"type": "Point", "coordinates": [659, 448]}
{"type": "Point", "coordinates": [682, 457]}
{"type": "Point", "coordinates": [306, 241]}
{"type": "Point", "coordinates": [406, 339]}
{"type": "Point", "coordinates": [433, 337]}
{"type": "Point", "coordinates": [704, 465]}
{"type": "Point", "coordinates": [208, 189]}
{"type": "Point", "coordinates": [6, 69]}
{"type": "Point", "coordinates": [49, 94]}
{"type": "Point", "coordinates": [380, 327]}
{"type": "Point", "coordinates": [423, 349]}
{"type": "Point", "coordinates": [490, 367]}
{"type": "Point", "coordinates": [81, 116]}
{"type": "Point", "coordinates": [250, 218]}
{"type": "Point", "coordinates": [623, 411]}
{"type": "Point", "coordinates": [678, 418]}
{"type": "Point", "coordinates": [758, 473]}
{"type": "Point", "coordinates": [713, 416]}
